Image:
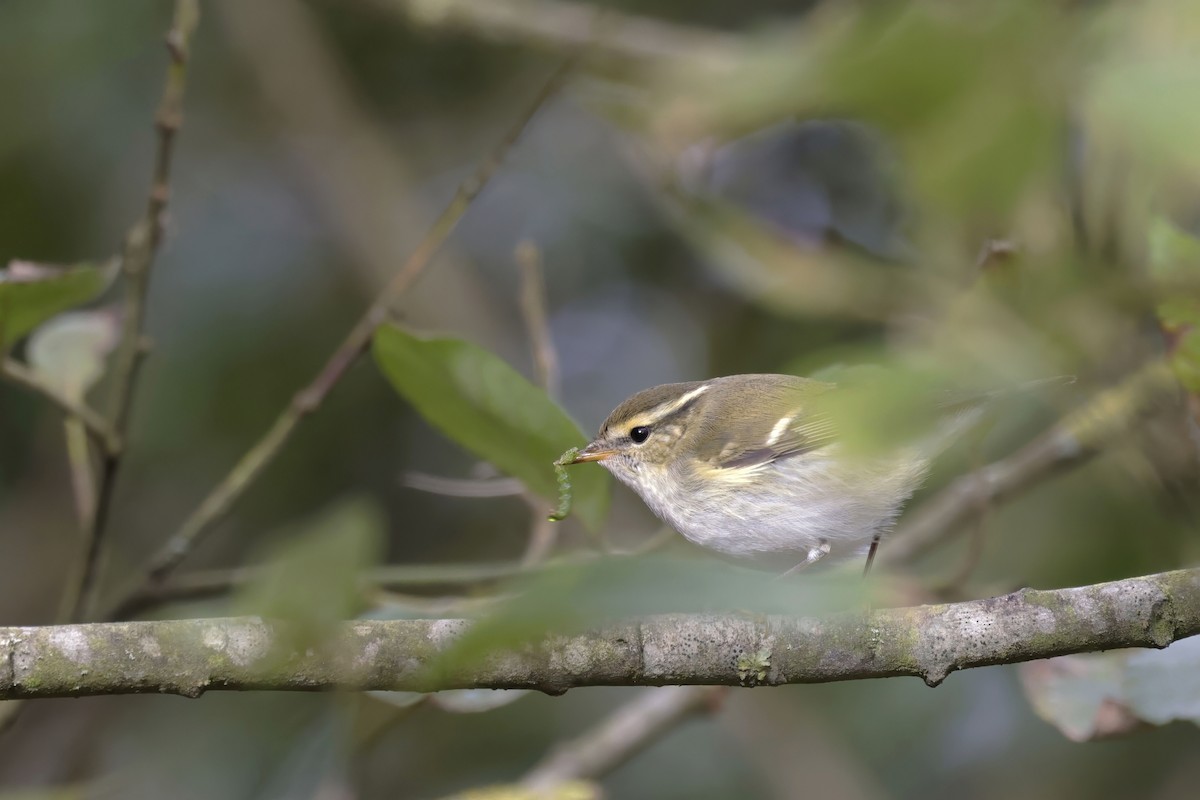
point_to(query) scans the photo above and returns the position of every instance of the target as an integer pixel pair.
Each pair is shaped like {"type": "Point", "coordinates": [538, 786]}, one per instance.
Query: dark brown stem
{"type": "Point", "coordinates": [142, 244]}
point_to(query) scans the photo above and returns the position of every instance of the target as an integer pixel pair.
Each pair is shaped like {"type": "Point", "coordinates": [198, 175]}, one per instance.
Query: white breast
{"type": "Point", "coordinates": [774, 516]}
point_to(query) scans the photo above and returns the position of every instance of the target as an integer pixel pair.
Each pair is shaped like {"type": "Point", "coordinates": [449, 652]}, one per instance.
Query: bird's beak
{"type": "Point", "coordinates": [593, 452]}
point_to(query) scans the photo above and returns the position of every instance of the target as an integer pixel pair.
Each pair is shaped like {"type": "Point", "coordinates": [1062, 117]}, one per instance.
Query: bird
{"type": "Point", "coordinates": [754, 469]}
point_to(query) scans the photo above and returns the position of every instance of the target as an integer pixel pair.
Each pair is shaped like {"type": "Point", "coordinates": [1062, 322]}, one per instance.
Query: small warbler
{"type": "Point", "coordinates": [752, 467]}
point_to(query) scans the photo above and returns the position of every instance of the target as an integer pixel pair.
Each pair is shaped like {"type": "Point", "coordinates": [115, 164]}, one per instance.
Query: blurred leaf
{"type": "Point", "coordinates": [312, 574]}
{"type": "Point", "coordinates": [757, 262]}
{"type": "Point", "coordinates": [1164, 685]}
{"type": "Point", "coordinates": [1174, 258]}
{"type": "Point", "coordinates": [968, 95]}
{"type": "Point", "coordinates": [70, 350]}
{"type": "Point", "coordinates": [51, 793]}
{"type": "Point", "coordinates": [487, 407]}
{"type": "Point", "coordinates": [1080, 695]}
{"type": "Point", "coordinates": [313, 765]}
{"type": "Point", "coordinates": [474, 701]}
{"type": "Point", "coordinates": [1174, 254]}
{"type": "Point", "coordinates": [1185, 359]}
{"type": "Point", "coordinates": [924, 399]}
{"type": "Point", "coordinates": [1097, 695]}
{"type": "Point", "coordinates": [399, 699]}
{"type": "Point", "coordinates": [569, 790]}
{"type": "Point", "coordinates": [571, 598]}
{"type": "Point", "coordinates": [1145, 102]}
{"type": "Point", "coordinates": [32, 293]}
{"type": "Point", "coordinates": [876, 409]}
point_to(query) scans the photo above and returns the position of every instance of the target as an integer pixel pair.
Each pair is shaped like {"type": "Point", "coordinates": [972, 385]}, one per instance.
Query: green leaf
{"type": "Point", "coordinates": [32, 293]}
{"type": "Point", "coordinates": [1174, 257]}
{"type": "Point", "coordinates": [312, 575]}
{"type": "Point", "coordinates": [1174, 254]}
{"type": "Point", "coordinates": [1185, 359]}
{"type": "Point", "coordinates": [486, 406]}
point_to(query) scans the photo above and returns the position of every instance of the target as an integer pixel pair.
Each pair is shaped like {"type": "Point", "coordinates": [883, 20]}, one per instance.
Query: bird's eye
{"type": "Point", "coordinates": [639, 434]}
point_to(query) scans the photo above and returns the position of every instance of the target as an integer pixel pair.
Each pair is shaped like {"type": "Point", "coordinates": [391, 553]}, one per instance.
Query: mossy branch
{"type": "Point", "coordinates": [189, 657]}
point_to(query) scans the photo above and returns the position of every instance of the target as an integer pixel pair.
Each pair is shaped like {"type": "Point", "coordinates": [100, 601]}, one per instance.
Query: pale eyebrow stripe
{"type": "Point", "coordinates": [663, 412]}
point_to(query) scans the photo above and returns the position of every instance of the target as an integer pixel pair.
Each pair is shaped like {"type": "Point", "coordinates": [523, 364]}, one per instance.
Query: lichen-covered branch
{"type": "Point", "coordinates": [189, 657]}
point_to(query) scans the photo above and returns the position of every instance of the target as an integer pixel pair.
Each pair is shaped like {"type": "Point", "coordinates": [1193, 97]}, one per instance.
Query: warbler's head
{"type": "Point", "coordinates": [650, 429]}
{"type": "Point", "coordinates": [727, 424]}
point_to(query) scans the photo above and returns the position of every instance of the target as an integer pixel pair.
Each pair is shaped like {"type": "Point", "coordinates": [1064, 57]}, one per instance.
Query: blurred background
{"type": "Point", "coordinates": [718, 188]}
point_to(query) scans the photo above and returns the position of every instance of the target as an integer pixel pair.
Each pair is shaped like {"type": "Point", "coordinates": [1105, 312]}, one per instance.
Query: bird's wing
{"type": "Point", "coordinates": [788, 419]}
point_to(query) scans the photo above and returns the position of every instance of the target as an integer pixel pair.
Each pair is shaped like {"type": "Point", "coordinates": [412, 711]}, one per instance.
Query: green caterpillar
{"type": "Point", "coordinates": [564, 485]}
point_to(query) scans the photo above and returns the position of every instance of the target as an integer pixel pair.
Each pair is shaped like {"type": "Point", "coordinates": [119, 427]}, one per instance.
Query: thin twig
{"type": "Point", "coordinates": [365, 192]}
{"type": "Point", "coordinates": [83, 479]}
{"type": "Point", "coordinates": [564, 26]}
{"type": "Point", "coordinates": [533, 309]}
{"type": "Point", "coordinates": [221, 499]}
{"type": "Point", "coordinates": [543, 533]}
{"type": "Point", "coordinates": [97, 427]}
{"type": "Point", "coordinates": [142, 244]}
{"type": "Point", "coordinates": [462, 487]}
{"type": "Point", "coordinates": [83, 485]}
{"type": "Point", "coordinates": [619, 737]}
{"type": "Point", "coordinates": [1071, 442]}
{"type": "Point", "coordinates": [203, 584]}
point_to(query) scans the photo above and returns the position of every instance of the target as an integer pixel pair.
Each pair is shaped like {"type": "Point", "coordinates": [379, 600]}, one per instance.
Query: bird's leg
{"type": "Point", "coordinates": [815, 554]}
{"type": "Point", "coordinates": [871, 555]}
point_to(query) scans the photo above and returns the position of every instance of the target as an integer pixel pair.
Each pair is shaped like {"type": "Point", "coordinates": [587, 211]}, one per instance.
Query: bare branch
{"type": "Point", "coordinates": [462, 487]}
{"type": "Point", "coordinates": [396, 577]}
{"type": "Point", "coordinates": [630, 729]}
{"type": "Point", "coordinates": [141, 246]}
{"type": "Point", "coordinates": [83, 481]}
{"type": "Point", "coordinates": [189, 657]}
{"type": "Point", "coordinates": [309, 399]}
{"type": "Point", "coordinates": [537, 324]}
{"type": "Point", "coordinates": [543, 532]}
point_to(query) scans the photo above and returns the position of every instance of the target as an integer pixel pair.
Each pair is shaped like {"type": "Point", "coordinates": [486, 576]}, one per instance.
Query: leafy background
{"type": "Point", "coordinates": [319, 141]}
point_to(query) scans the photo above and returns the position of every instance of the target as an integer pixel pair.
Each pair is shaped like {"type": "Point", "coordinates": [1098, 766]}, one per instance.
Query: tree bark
{"type": "Point", "coordinates": [189, 657]}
